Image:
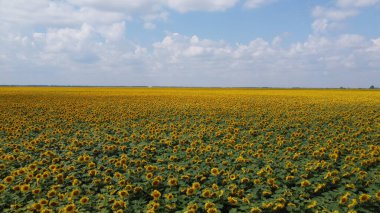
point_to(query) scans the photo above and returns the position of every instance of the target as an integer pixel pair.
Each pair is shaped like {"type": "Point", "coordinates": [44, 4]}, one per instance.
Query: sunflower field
{"type": "Point", "coordinates": [189, 150]}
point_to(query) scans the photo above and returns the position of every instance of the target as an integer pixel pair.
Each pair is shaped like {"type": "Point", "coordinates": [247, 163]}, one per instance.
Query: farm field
{"type": "Point", "coordinates": [189, 150]}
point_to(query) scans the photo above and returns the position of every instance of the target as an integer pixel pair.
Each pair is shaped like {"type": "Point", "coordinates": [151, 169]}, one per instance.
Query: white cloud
{"type": "Point", "coordinates": [77, 55]}
{"type": "Point", "coordinates": [200, 5]}
{"type": "Point", "coordinates": [257, 3]}
{"type": "Point", "coordinates": [85, 42]}
{"type": "Point", "coordinates": [333, 13]}
{"type": "Point", "coordinates": [356, 3]}
{"type": "Point", "coordinates": [334, 16]}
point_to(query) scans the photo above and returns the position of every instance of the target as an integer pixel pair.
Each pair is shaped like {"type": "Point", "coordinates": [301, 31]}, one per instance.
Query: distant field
{"type": "Point", "coordinates": [194, 150]}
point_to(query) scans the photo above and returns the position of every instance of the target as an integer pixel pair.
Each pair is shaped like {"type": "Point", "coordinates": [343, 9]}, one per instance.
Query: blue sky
{"type": "Point", "coordinates": [279, 43]}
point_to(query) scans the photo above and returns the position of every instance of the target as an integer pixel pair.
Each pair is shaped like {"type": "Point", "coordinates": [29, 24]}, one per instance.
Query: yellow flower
{"type": "Point", "coordinates": [353, 203]}
{"type": "Point", "coordinates": [46, 211]}
{"type": "Point", "coordinates": [312, 204]}
{"type": "Point", "coordinates": [215, 171]}
{"type": "Point", "coordinates": [172, 182]}
{"type": "Point", "coordinates": [378, 195]}
{"type": "Point", "coordinates": [196, 185]}
{"type": "Point", "coordinates": [156, 194]}
{"type": "Point", "coordinates": [84, 200]}
{"type": "Point", "coordinates": [278, 206]}
{"type": "Point", "coordinates": [266, 193]}
{"type": "Point", "coordinates": [9, 179]}
{"type": "Point", "coordinates": [43, 201]}
{"type": "Point", "coordinates": [36, 191]}
{"type": "Point", "coordinates": [25, 188]}
{"type": "Point", "coordinates": [2, 187]}
{"type": "Point", "coordinates": [233, 177]}
{"type": "Point", "coordinates": [75, 192]}
{"type": "Point", "coordinates": [305, 183]}
{"type": "Point", "coordinates": [364, 198]}
{"type": "Point", "coordinates": [343, 199]}
{"type": "Point", "coordinates": [255, 210]}
{"type": "Point", "coordinates": [70, 208]}
{"type": "Point", "coordinates": [212, 210]}
{"type": "Point", "coordinates": [190, 191]}
{"type": "Point", "coordinates": [169, 196]}
{"type": "Point", "coordinates": [206, 193]}
{"type": "Point", "coordinates": [51, 193]}
{"type": "Point", "coordinates": [209, 205]}
{"type": "Point", "coordinates": [123, 193]}
{"type": "Point", "coordinates": [256, 181]}
{"type": "Point", "coordinates": [36, 206]}
{"type": "Point", "coordinates": [149, 175]}
{"type": "Point", "coordinates": [232, 200]}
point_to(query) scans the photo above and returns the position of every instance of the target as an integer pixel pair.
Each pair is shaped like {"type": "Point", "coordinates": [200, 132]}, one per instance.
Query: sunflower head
{"type": "Point", "coordinates": [84, 200]}
{"type": "Point", "coordinates": [156, 194]}
{"type": "Point", "coordinates": [9, 179]}
{"type": "Point", "coordinates": [364, 198]}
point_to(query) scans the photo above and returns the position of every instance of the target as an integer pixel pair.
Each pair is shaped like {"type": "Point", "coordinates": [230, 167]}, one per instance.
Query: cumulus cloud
{"type": "Point", "coordinates": [257, 3]}
{"type": "Point", "coordinates": [77, 53]}
{"type": "Point", "coordinates": [200, 5]}
{"type": "Point", "coordinates": [333, 17]}
{"type": "Point", "coordinates": [85, 42]}
{"type": "Point", "coordinates": [356, 3]}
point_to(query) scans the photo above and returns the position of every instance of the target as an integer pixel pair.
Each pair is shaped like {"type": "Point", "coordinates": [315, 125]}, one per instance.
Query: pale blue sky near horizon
{"type": "Point", "coordinates": [274, 43]}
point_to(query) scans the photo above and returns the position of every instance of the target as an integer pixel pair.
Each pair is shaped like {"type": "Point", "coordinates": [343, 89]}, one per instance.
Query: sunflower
{"type": "Point", "coordinates": [155, 182]}
{"type": "Point", "coordinates": [289, 177]}
{"type": "Point", "coordinates": [378, 195]}
{"type": "Point", "coordinates": [364, 198]}
{"type": "Point", "coordinates": [92, 172]}
{"type": "Point", "coordinates": [46, 211]}
{"type": "Point", "coordinates": [149, 175]}
{"type": "Point", "coordinates": [278, 206]}
{"type": "Point", "coordinates": [169, 196]}
{"type": "Point", "coordinates": [255, 210]}
{"type": "Point", "coordinates": [2, 187]}
{"type": "Point", "coordinates": [190, 191]}
{"type": "Point", "coordinates": [233, 177]}
{"type": "Point", "coordinates": [266, 193]}
{"type": "Point", "coordinates": [215, 171]}
{"type": "Point", "coordinates": [36, 191]}
{"type": "Point", "coordinates": [353, 203]}
{"type": "Point", "coordinates": [196, 185]}
{"type": "Point", "coordinates": [156, 194]}
{"type": "Point", "coordinates": [343, 200]}
{"type": "Point", "coordinates": [9, 179]}
{"type": "Point", "coordinates": [172, 182]}
{"type": "Point", "coordinates": [232, 200]}
{"type": "Point", "coordinates": [51, 193]}
{"type": "Point", "coordinates": [75, 192]}
{"type": "Point", "coordinates": [84, 200]}
{"type": "Point", "coordinates": [36, 206]}
{"type": "Point", "coordinates": [215, 186]}
{"type": "Point", "coordinates": [209, 205]}
{"type": "Point", "coordinates": [43, 201]}
{"type": "Point", "coordinates": [312, 204]}
{"type": "Point", "coordinates": [123, 193]}
{"type": "Point", "coordinates": [24, 188]}
{"type": "Point", "coordinates": [69, 208]}
{"type": "Point", "coordinates": [206, 193]}
{"type": "Point", "coordinates": [53, 203]}
{"type": "Point", "coordinates": [212, 210]}
{"type": "Point", "coordinates": [271, 181]}
{"type": "Point", "coordinates": [256, 181]}
{"type": "Point", "coordinates": [305, 183]}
